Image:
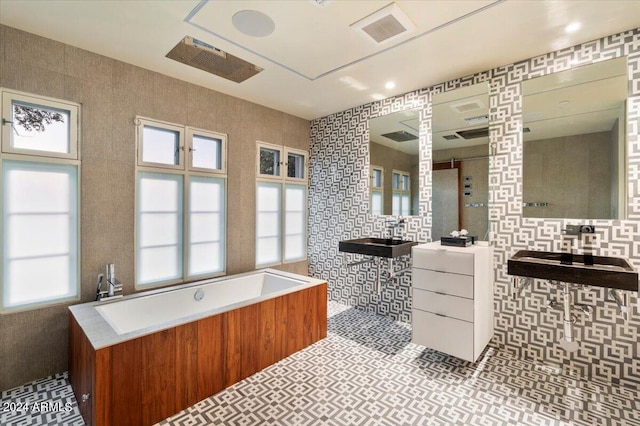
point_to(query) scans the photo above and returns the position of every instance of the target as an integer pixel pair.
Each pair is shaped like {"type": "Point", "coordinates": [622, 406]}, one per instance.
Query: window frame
{"type": "Point", "coordinates": [8, 96]}
{"type": "Point", "coordinates": [190, 133]}
{"type": "Point", "coordinates": [376, 189]}
{"type": "Point", "coordinates": [141, 122]}
{"type": "Point", "coordinates": [402, 192]}
{"type": "Point", "coordinates": [45, 157]}
{"type": "Point", "coordinates": [187, 172]}
{"type": "Point", "coordinates": [283, 180]}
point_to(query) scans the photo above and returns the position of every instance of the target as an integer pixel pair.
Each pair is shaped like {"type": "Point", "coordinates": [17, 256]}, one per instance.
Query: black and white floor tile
{"type": "Point", "coordinates": [367, 372]}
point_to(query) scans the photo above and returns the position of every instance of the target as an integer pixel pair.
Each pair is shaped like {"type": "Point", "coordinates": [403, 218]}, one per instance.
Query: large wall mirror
{"type": "Point", "coordinates": [394, 164]}
{"type": "Point", "coordinates": [574, 159]}
{"type": "Point", "coordinates": [461, 162]}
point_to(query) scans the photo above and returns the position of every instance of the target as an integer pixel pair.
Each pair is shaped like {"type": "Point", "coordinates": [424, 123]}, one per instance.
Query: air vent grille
{"type": "Point", "coordinates": [197, 54]}
{"type": "Point", "coordinates": [400, 136]}
{"type": "Point", "coordinates": [467, 106]}
{"type": "Point", "coordinates": [450, 137]}
{"type": "Point", "coordinates": [474, 133]}
{"type": "Point", "coordinates": [384, 28]}
{"type": "Point", "coordinates": [384, 25]}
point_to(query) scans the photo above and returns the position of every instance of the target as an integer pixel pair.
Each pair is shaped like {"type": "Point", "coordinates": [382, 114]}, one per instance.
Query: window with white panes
{"type": "Point", "coordinates": [376, 182]}
{"type": "Point", "coordinates": [40, 203]}
{"type": "Point", "coordinates": [180, 203]}
{"type": "Point", "coordinates": [281, 205]}
{"type": "Point", "coordinates": [401, 193]}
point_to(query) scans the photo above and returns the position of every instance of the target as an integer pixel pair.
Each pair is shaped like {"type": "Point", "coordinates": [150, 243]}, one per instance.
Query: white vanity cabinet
{"type": "Point", "coordinates": [452, 298]}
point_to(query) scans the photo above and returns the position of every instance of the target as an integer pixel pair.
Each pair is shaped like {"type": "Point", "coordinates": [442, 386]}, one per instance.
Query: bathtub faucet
{"type": "Point", "coordinates": [113, 285]}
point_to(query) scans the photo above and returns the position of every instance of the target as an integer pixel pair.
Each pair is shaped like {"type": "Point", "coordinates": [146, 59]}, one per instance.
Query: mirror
{"type": "Point", "coordinates": [460, 173]}
{"type": "Point", "coordinates": [574, 143]}
{"type": "Point", "coordinates": [394, 163]}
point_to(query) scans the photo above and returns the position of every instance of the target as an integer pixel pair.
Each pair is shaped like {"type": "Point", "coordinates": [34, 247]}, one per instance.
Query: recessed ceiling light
{"type": "Point", "coordinates": [572, 27]}
{"type": "Point", "coordinates": [390, 85]}
{"type": "Point", "coordinates": [253, 23]}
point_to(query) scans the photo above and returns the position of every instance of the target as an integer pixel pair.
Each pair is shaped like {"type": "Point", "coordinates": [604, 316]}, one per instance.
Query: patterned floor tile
{"type": "Point", "coordinates": [367, 372]}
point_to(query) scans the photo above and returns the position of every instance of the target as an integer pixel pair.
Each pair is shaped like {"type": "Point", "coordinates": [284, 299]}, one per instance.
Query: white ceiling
{"type": "Point", "coordinates": [314, 63]}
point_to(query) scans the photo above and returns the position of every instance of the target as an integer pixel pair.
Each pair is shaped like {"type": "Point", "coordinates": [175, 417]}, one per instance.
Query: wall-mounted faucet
{"type": "Point", "coordinates": [576, 232]}
{"type": "Point", "coordinates": [392, 225]}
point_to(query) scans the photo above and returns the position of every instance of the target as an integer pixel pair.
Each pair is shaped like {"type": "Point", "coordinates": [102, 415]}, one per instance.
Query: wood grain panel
{"type": "Point", "coordinates": [81, 369]}
{"type": "Point", "coordinates": [103, 388]}
{"type": "Point", "coordinates": [159, 376]}
{"type": "Point", "coordinates": [211, 355]}
{"type": "Point", "coordinates": [145, 380]}
{"type": "Point", "coordinates": [280, 335]}
{"type": "Point", "coordinates": [249, 343]}
{"type": "Point", "coordinates": [233, 353]}
{"type": "Point", "coordinates": [126, 379]}
{"type": "Point", "coordinates": [322, 311]}
{"type": "Point", "coordinates": [266, 334]}
{"type": "Point", "coordinates": [187, 364]}
{"type": "Point", "coordinates": [296, 307]}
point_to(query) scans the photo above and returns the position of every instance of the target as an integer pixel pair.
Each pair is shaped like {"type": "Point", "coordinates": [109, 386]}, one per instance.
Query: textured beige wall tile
{"type": "Point", "coordinates": [128, 105]}
{"type": "Point", "coordinates": [34, 345]}
{"type": "Point", "coordinates": [108, 215]}
{"type": "Point", "coordinates": [88, 65]}
{"type": "Point", "coordinates": [19, 76]}
{"type": "Point", "coordinates": [134, 79]}
{"type": "Point", "coordinates": [97, 105]}
{"type": "Point", "coordinates": [169, 99]}
{"type": "Point", "coordinates": [33, 50]}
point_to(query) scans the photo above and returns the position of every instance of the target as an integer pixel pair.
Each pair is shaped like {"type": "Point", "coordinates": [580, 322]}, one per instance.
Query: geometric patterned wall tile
{"type": "Point", "coordinates": [338, 201]}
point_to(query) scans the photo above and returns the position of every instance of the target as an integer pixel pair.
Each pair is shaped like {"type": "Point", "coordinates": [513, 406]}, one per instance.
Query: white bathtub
{"type": "Point", "coordinates": [169, 306]}
{"type": "Point", "coordinates": [241, 325]}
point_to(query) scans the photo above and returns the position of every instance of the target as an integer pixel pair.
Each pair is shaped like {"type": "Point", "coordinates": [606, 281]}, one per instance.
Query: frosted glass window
{"type": "Point", "coordinates": [405, 182]}
{"type": "Point", "coordinates": [206, 226]}
{"type": "Point", "coordinates": [405, 204]}
{"type": "Point", "coordinates": [269, 161]}
{"type": "Point", "coordinates": [159, 228]}
{"type": "Point", "coordinates": [396, 204]}
{"type": "Point", "coordinates": [376, 202]}
{"type": "Point", "coordinates": [40, 233]}
{"type": "Point", "coordinates": [268, 228]}
{"type": "Point", "coordinates": [160, 146]}
{"type": "Point", "coordinates": [40, 128]}
{"type": "Point", "coordinates": [206, 153]}
{"type": "Point", "coordinates": [295, 245]}
{"type": "Point", "coordinates": [295, 166]}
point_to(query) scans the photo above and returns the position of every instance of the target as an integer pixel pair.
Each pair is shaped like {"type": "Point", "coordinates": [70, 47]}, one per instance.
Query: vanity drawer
{"type": "Point", "coordinates": [442, 282]}
{"type": "Point", "coordinates": [444, 261]}
{"type": "Point", "coordinates": [451, 306]}
{"type": "Point", "coordinates": [448, 335]}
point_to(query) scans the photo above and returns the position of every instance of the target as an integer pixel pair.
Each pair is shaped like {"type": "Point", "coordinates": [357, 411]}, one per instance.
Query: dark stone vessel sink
{"type": "Point", "coordinates": [608, 272]}
{"type": "Point", "coordinates": [382, 247]}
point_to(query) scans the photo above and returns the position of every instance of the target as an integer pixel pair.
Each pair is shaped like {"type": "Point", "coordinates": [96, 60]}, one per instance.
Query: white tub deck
{"type": "Point", "coordinates": [111, 322]}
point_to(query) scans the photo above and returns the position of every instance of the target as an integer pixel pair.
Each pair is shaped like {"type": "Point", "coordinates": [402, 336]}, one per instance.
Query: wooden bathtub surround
{"type": "Point", "coordinates": [145, 380]}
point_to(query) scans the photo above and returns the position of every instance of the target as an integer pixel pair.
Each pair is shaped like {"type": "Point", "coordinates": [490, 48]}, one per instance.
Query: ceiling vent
{"type": "Point", "coordinates": [388, 23]}
{"type": "Point", "coordinates": [400, 136]}
{"type": "Point", "coordinates": [450, 137]}
{"type": "Point", "coordinates": [477, 120]}
{"type": "Point", "coordinates": [467, 106]}
{"type": "Point", "coordinates": [473, 134]}
{"type": "Point", "coordinates": [208, 58]}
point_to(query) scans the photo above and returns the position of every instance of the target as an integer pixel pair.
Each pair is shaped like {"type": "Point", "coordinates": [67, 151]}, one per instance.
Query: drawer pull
{"type": "Point", "coordinates": [440, 293]}
{"type": "Point", "coordinates": [442, 315]}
